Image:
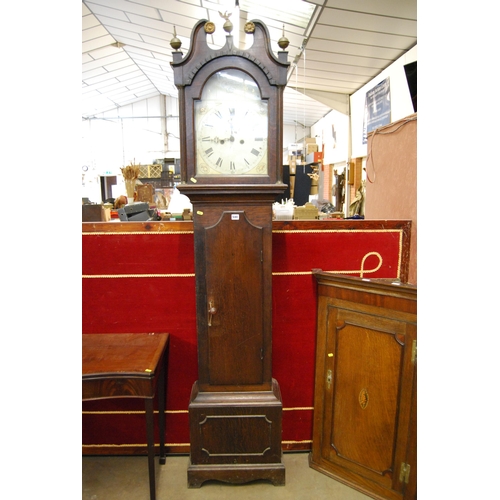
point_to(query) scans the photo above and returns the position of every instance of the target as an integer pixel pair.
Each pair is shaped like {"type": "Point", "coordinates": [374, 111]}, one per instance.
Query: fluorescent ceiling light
{"type": "Point", "coordinates": [294, 12]}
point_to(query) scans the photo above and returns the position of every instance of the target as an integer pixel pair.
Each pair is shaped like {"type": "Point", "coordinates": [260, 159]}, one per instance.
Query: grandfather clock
{"type": "Point", "coordinates": [231, 124]}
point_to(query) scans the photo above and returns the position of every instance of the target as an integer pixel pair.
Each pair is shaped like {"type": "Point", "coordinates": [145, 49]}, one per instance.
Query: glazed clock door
{"type": "Point", "coordinates": [234, 290]}
{"type": "Point", "coordinates": [231, 123]}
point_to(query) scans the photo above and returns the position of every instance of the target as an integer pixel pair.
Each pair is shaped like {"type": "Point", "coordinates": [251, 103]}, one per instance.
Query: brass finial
{"type": "Point", "coordinates": [283, 41]}
{"type": "Point", "coordinates": [228, 25]}
{"type": "Point", "coordinates": [175, 43]}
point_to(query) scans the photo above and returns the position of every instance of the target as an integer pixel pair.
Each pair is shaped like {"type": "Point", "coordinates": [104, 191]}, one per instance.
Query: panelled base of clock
{"type": "Point", "coordinates": [235, 436]}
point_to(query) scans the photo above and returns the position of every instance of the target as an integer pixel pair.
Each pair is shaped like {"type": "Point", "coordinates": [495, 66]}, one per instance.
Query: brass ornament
{"type": "Point", "coordinates": [249, 27]}
{"type": "Point", "coordinates": [283, 42]}
{"type": "Point", "coordinates": [209, 27]}
{"type": "Point", "coordinates": [363, 398]}
{"type": "Point", "coordinates": [175, 43]}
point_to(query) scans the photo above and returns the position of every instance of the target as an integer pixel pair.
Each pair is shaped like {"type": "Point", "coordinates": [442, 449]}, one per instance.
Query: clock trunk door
{"type": "Point", "coordinates": [234, 290]}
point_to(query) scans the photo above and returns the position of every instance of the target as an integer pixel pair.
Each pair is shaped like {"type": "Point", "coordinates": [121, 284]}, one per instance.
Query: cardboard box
{"type": "Point", "coordinates": [308, 211]}
{"type": "Point", "coordinates": [314, 157]}
{"type": "Point", "coordinates": [95, 213]}
{"type": "Point", "coordinates": [145, 193]}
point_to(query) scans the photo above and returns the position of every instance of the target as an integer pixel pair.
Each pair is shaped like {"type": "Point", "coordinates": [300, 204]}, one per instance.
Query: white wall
{"type": "Point", "coordinates": [401, 104]}
{"type": "Point", "coordinates": [351, 128]}
{"type": "Point", "coordinates": [332, 137]}
{"type": "Point", "coordinates": [141, 132]}
{"type": "Point", "coordinates": [291, 135]}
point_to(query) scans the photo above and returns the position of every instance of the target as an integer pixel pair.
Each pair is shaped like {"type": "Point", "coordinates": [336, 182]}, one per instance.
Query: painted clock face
{"type": "Point", "coordinates": [231, 124]}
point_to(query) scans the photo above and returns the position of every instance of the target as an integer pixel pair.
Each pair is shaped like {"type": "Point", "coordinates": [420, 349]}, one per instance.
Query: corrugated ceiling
{"type": "Point", "coordinates": [335, 49]}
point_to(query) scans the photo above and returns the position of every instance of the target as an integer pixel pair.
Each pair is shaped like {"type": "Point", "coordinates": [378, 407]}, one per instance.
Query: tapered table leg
{"type": "Point", "coordinates": [161, 409]}
{"type": "Point", "coordinates": [151, 447]}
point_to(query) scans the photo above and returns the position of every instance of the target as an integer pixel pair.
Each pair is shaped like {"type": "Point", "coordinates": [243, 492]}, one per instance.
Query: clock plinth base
{"type": "Point", "coordinates": [235, 436]}
{"type": "Point", "coordinates": [236, 474]}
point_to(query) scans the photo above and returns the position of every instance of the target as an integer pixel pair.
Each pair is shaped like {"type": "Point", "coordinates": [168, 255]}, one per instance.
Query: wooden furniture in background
{"type": "Point", "coordinates": [145, 192]}
{"type": "Point", "coordinates": [364, 431]}
{"type": "Point", "coordinates": [125, 365]}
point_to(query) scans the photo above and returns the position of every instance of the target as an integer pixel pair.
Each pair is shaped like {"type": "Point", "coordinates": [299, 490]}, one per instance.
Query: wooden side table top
{"type": "Point", "coordinates": [121, 364]}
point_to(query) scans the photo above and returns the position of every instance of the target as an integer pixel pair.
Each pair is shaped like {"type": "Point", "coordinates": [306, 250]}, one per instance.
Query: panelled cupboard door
{"type": "Point", "coordinates": [364, 412]}
{"type": "Point", "coordinates": [365, 382]}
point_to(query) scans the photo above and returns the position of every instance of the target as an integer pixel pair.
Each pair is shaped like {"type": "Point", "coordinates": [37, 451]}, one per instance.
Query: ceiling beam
{"type": "Point", "coordinates": [339, 102]}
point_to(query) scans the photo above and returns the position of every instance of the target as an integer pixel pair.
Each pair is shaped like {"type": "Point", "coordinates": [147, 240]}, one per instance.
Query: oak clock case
{"type": "Point", "coordinates": [231, 145]}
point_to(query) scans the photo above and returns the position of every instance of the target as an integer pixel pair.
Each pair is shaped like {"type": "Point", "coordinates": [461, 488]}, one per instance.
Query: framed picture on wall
{"type": "Point", "coordinates": [377, 108]}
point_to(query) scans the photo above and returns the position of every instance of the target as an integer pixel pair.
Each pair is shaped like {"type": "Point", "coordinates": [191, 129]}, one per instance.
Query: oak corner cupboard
{"type": "Point", "coordinates": [365, 399]}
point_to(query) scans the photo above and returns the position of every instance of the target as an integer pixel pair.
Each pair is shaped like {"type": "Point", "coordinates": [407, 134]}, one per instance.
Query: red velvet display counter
{"type": "Point", "coordinates": [139, 277]}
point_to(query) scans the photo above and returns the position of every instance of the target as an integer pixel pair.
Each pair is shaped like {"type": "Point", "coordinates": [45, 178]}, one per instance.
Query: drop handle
{"type": "Point", "coordinates": [211, 311]}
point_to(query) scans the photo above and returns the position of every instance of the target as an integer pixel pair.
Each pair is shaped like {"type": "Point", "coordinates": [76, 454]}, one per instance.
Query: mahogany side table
{"type": "Point", "coordinates": [129, 365]}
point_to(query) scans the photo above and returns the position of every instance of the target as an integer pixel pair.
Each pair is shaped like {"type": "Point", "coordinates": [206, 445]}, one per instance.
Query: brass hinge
{"type": "Point", "coordinates": [414, 352]}
{"type": "Point", "coordinates": [404, 474]}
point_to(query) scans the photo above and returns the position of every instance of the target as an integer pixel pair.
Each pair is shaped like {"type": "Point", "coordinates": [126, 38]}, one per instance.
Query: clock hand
{"type": "Point", "coordinates": [222, 141]}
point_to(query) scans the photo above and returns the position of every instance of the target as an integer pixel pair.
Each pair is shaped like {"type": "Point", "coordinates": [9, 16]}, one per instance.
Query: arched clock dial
{"type": "Point", "coordinates": [231, 123]}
